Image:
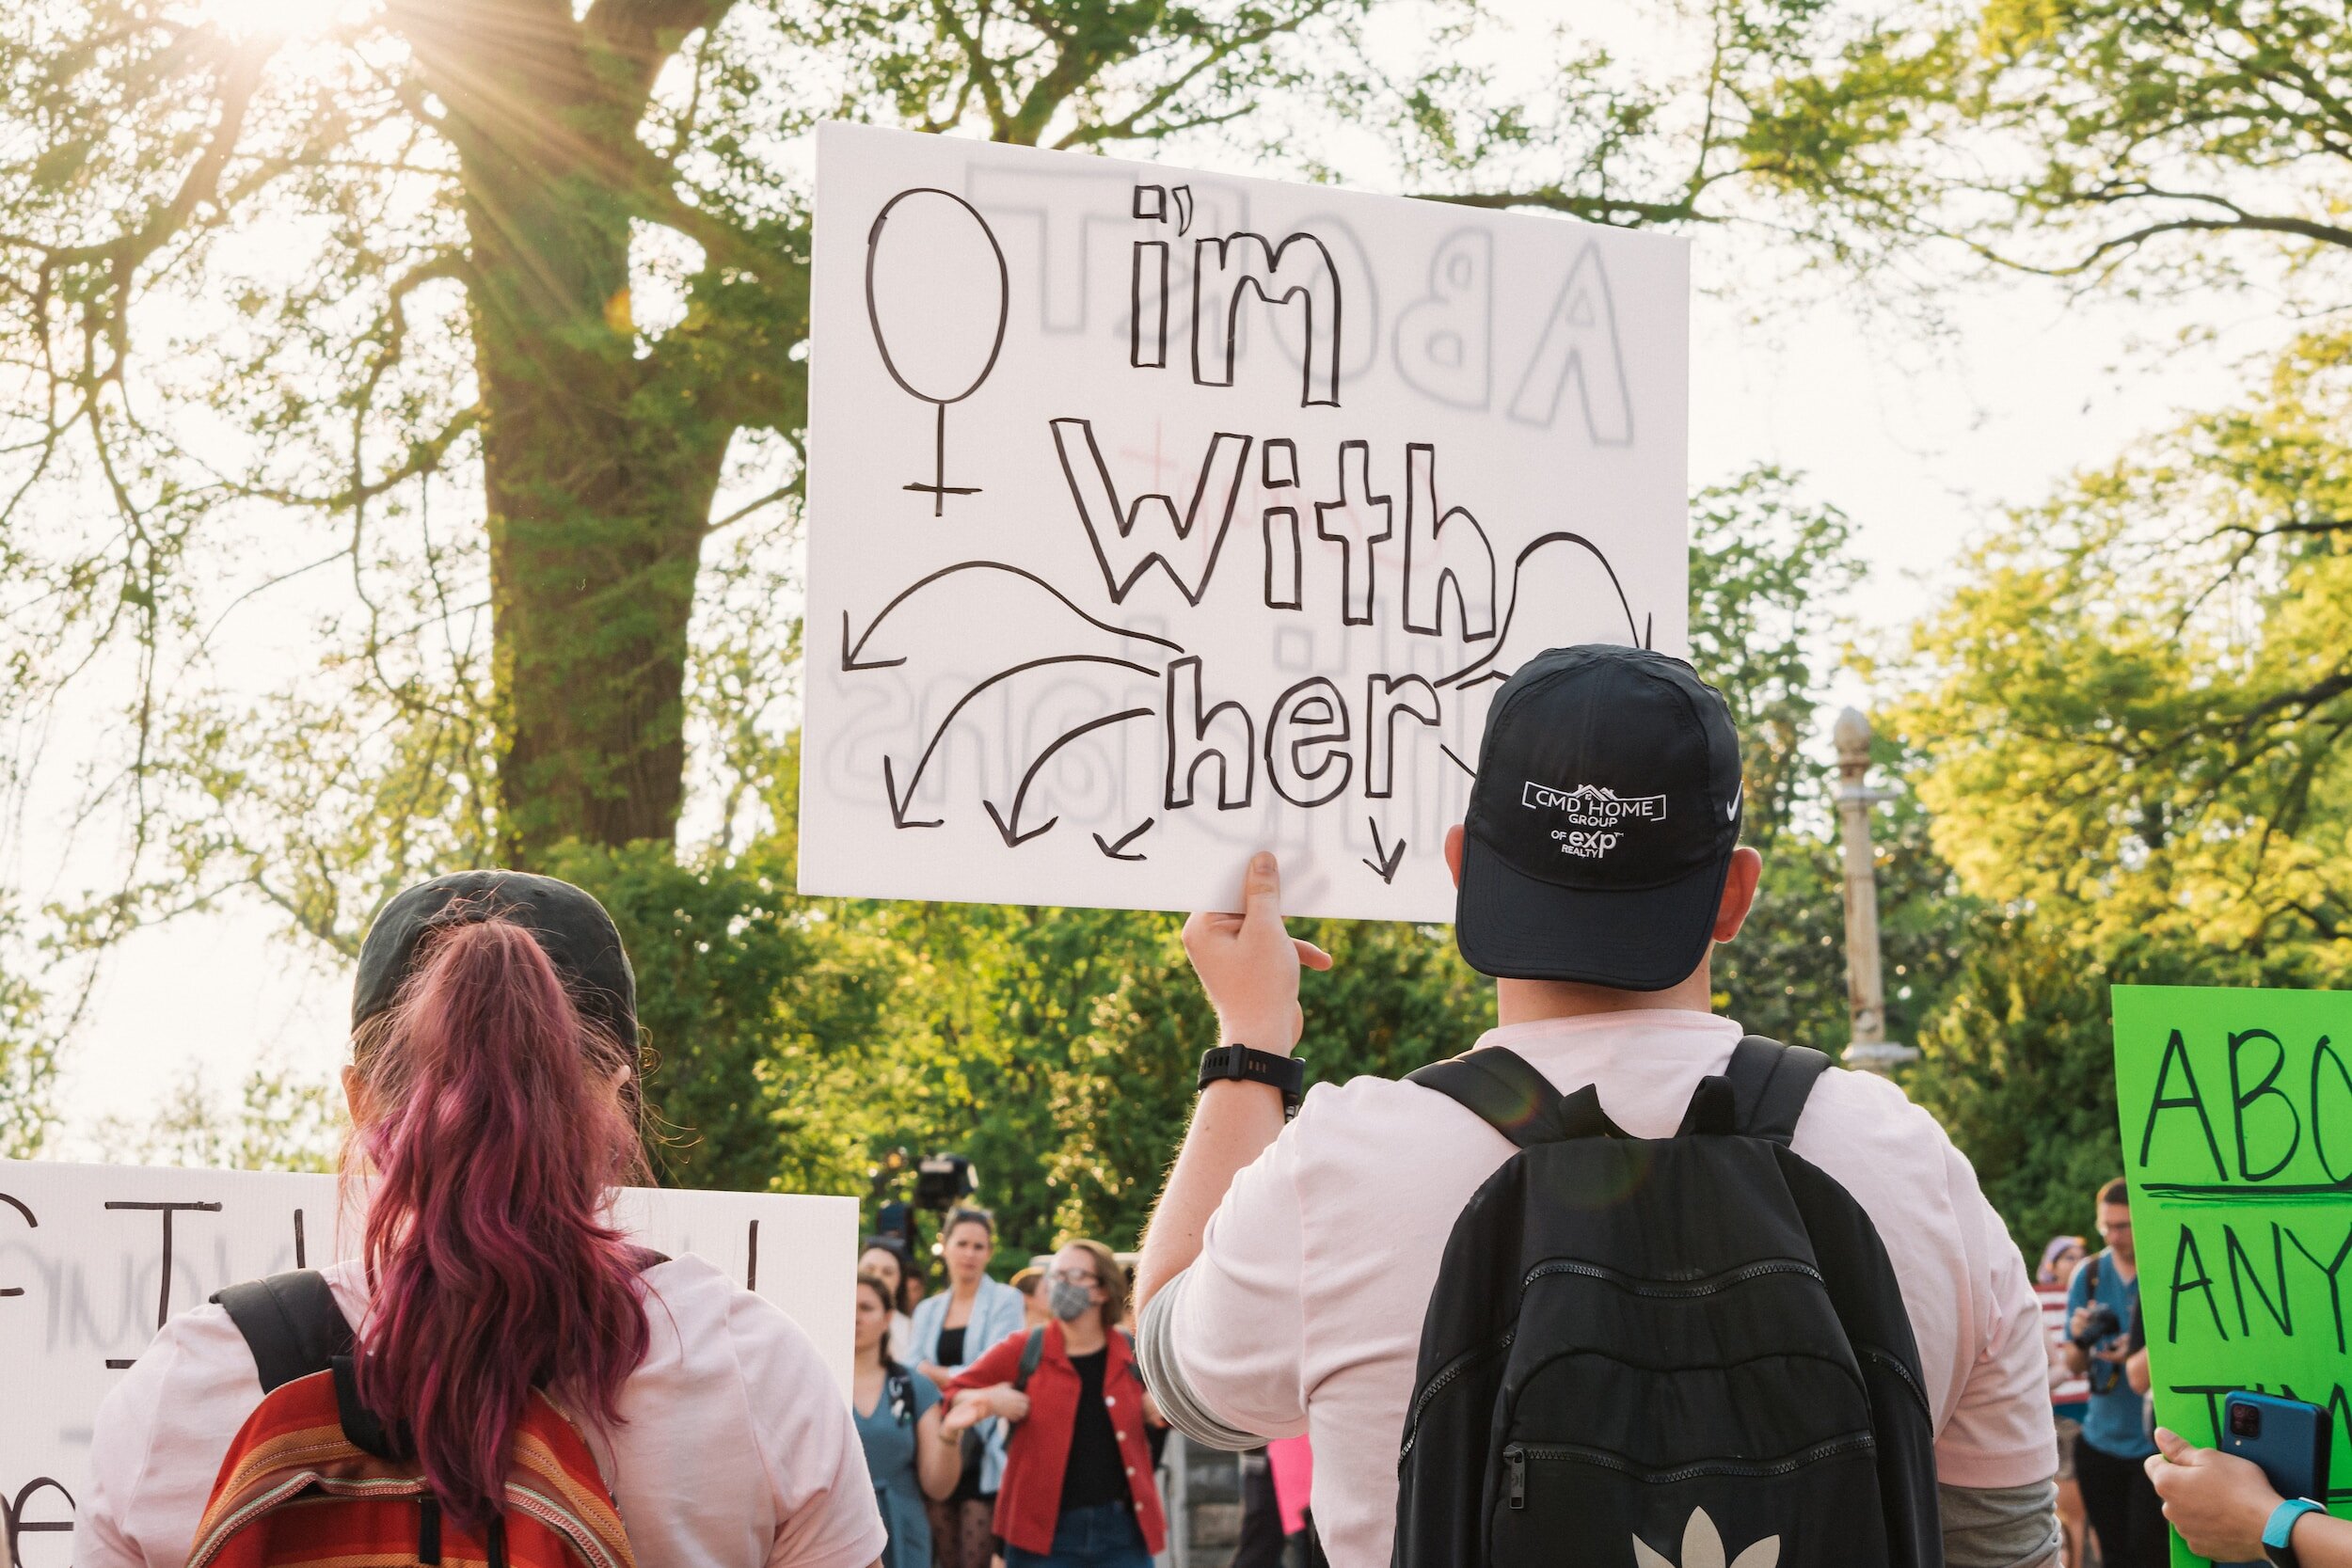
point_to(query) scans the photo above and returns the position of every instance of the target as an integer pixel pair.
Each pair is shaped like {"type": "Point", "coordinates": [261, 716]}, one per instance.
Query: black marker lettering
{"type": "Point", "coordinates": [1441, 550]}
{"type": "Point", "coordinates": [1146, 335]}
{"type": "Point", "coordinates": [2329, 1271]}
{"type": "Point", "coordinates": [1226, 271]}
{"type": "Point", "coordinates": [163, 1299]}
{"type": "Point", "coordinates": [2182, 1255]}
{"type": "Point", "coordinates": [1285, 551]}
{"type": "Point", "coordinates": [1309, 725]}
{"type": "Point", "coordinates": [30, 1224]}
{"type": "Point", "coordinates": [2327, 1053]}
{"type": "Point", "coordinates": [19, 1526]}
{"type": "Point", "coordinates": [2235, 1255]}
{"type": "Point", "coordinates": [1363, 522]}
{"type": "Point", "coordinates": [2241, 1098]}
{"type": "Point", "coordinates": [1111, 528]}
{"type": "Point", "coordinates": [2175, 1050]}
{"type": "Point", "coordinates": [1189, 744]}
{"type": "Point", "coordinates": [1385, 698]}
{"type": "Point", "coordinates": [1483, 667]}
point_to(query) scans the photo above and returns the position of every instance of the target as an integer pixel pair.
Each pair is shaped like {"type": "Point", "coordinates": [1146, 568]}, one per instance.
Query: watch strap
{"type": "Point", "coordinates": [2278, 1535]}
{"type": "Point", "coordinates": [1243, 1064]}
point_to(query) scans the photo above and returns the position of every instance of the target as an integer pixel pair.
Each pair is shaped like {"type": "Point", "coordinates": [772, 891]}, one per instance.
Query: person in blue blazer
{"type": "Point", "coordinates": [953, 1330]}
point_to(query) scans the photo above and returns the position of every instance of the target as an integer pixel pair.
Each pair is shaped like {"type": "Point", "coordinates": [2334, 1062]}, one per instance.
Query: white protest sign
{"type": "Point", "coordinates": [1156, 517]}
{"type": "Point", "coordinates": [93, 1257]}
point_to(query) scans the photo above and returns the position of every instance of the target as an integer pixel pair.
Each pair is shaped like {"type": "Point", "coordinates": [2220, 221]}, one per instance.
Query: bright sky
{"type": "Point", "coordinates": [1919, 443]}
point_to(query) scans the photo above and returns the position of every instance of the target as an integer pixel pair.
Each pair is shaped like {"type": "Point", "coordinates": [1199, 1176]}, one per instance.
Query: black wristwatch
{"type": "Point", "coordinates": [1241, 1063]}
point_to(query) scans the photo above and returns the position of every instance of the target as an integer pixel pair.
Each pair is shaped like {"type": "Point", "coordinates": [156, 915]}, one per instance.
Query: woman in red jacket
{"type": "Point", "coordinates": [1078, 1490]}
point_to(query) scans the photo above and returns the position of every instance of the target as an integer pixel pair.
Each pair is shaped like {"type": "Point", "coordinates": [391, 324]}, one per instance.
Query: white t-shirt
{"type": "Point", "coordinates": [1303, 1312]}
{"type": "Point", "coordinates": [736, 1449]}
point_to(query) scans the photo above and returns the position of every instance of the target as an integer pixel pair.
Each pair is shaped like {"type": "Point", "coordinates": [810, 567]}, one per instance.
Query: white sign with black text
{"type": "Point", "coordinates": [1156, 515]}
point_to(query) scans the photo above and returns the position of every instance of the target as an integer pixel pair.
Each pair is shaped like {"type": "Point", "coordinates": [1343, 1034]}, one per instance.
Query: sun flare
{"type": "Point", "coordinates": [271, 18]}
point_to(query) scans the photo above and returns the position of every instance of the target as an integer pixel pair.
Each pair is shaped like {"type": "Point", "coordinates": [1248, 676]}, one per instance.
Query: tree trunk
{"type": "Point", "coordinates": [598, 487]}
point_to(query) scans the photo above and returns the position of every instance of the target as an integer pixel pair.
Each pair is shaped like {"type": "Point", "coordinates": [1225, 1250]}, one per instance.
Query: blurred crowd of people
{"type": "Point", "coordinates": [1005, 1424]}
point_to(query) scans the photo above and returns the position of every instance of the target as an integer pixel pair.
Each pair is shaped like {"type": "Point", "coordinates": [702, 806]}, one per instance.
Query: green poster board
{"type": "Point", "coordinates": [2236, 1118]}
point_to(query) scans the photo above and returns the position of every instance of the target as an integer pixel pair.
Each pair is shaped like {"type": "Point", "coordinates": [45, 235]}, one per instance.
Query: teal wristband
{"type": "Point", "coordinates": [2276, 1533]}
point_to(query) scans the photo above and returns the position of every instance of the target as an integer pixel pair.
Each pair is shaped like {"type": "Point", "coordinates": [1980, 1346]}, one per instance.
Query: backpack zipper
{"type": "Point", "coordinates": [1446, 1374]}
{"type": "Point", "coordinates": [1672, 1289]}
{"type": "Point", "coordinates": [1515, 1458]}
{"type": "Point", "coordinates": [1894, 1364]}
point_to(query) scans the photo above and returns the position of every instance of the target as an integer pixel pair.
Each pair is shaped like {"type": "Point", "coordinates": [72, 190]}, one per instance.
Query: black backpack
{"type": "Point", "coordinates": [1664, 1353]}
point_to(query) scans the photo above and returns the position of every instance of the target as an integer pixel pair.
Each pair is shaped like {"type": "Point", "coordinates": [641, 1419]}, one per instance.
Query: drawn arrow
{"type": "Point", "coordinates": [1518, 568]}
{"type": "Point", "coordinates": [900, 799]}
{"type": "Point", "coordinates": [1006, 821]}
{"type": "Point", "coordinates": [1131, 834]}
{"type": "Point", "coordinates": [1458, 761]}
{"type": "Point", "coordinates": [899, 803]}
{"type": "Point", "coordinates": [1389, 859]}
{"type": "Point", "coordinates": [850, 651]}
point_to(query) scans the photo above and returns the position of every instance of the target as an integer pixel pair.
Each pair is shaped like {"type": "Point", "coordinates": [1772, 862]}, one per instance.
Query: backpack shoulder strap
{"type": "Point", "coordinates": [290, 1323]}
{"type": "Point", "coordinates": [1502, 1090]}
{"type": "Point", "coordinates": [1032, 1351]}
{"type": "Point", "coordinates": [1770, 1082]}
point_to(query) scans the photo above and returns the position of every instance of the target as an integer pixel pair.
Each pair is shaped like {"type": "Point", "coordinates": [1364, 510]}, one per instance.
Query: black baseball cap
{"type": "Point", "coordinates": [567, 921]}
{"type": "Point", "coordinates": [1601, 822]}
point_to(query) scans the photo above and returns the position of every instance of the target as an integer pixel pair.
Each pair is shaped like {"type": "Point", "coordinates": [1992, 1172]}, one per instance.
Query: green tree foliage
{"type": "Point", "coordinates": [480, 306]}
{"type": "Point", "coordinates": [757, 1009]}
{"type": "Point", "coordinates": [281, 1122]}
{"type": "Point", "coordinates": [2018, 1063]}
{"type": "Point", "coordinates": [2131, 728]}
{"type": "Point", "coordinates": [2129, 139]}
{"type": "Point", "coordinates": [1767, 569]}
{"type": "Point", "coordinates": [2136, 707]}
{"type": "Point", "coordinates": [28, 1061]}
{"type": "Point", "coordinates": [2019, 1068]}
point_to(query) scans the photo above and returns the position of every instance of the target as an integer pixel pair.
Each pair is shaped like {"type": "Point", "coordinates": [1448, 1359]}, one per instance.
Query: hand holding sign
{"type": "Point", "coordinates": [2236, 1112]}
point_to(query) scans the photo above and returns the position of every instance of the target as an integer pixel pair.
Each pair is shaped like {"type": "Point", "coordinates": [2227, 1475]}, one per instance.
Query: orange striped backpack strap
{"type": "Point", "coordinates": [312, 1479]}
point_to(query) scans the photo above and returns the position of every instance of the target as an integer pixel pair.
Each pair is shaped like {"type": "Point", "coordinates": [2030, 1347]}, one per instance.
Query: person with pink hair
{"type": "Point", "coordinates": [494, 1101]}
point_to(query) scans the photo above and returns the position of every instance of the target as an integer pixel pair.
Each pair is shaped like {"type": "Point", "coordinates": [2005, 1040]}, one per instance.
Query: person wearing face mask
{"type": "Point", "coordinates": [951, 1330]}
{"type": "Point", "coordinates": [1078, 1488]}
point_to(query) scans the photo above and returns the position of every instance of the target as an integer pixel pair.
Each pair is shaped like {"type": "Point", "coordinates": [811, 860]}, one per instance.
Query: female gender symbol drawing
{"type": "Point", "coordinates": [942, 278]}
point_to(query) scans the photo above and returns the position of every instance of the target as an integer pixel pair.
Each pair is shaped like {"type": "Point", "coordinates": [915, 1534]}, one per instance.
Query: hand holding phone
{"type": "Point", "coordinates": [2287, 1438]}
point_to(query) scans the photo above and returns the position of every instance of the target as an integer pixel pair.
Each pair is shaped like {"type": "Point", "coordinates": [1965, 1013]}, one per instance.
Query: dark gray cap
{"type": "Point", "coordinates": [568, 921]}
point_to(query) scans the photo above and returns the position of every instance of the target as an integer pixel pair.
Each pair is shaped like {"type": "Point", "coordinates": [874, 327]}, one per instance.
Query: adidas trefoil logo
{"type": "Point", "coordinates": [1703, 1548]}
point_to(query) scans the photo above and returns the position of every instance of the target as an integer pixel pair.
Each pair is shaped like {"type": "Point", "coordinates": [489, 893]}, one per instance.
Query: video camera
{"type": "Point", "coordinates": [943, 1181]}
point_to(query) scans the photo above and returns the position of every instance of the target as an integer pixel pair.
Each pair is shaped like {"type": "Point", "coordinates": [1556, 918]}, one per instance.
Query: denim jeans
{"type": "Point", "coordinates": [1105, 1536]}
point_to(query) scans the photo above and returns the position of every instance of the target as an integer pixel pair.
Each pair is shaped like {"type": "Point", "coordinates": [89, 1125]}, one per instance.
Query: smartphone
{"type": "Point", "coordinates": [2288, 1438]}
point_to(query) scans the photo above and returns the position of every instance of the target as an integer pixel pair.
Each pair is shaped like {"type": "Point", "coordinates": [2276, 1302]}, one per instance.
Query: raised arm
{"type": "Point", "coordinates": [1248, 964]}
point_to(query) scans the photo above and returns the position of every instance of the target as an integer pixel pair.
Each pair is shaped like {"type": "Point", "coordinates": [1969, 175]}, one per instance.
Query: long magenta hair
{"type": "Point", "coordinates": [498, 1121]}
